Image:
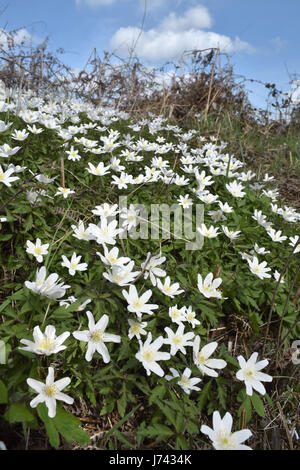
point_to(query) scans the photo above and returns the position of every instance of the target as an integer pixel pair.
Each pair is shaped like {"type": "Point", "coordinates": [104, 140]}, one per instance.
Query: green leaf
{"type": "Point", "coordinates": [258, 405]}
{"type": "Point", "coordinates": [269, 400]}
{"type": "Point", "coordinates": [181, 443]}
{"type": "Point", "coordinates": [248, 407]}
{"type": "Point", "coordinates": [192, 428]}
{"type": "Point", "coordinates": [5, 237]}
{"type": "Point", "coordinates": [180, 421]}
{"type": "Point", "coordinates": [70, 427]}
{"type": "Point", "coordinates": [121, 422]}
{"type": "Point", "coordinates": [91, 394]}
{"type": "Point", "coordinates": [3, 393]}
{"type": "Point", "coordinates": [5, 304]}
{"type": "Point", "coordinates": [107, 408]}
{"type": "Point", "coordinates": [26, 307]}
{"type": "Point", "coordinates": [230, 359]}
{"type": "Point", "coordinates": [204, 396]}
{"type": "Point", "coordinates": [121, 405]}
{"type": "Point", "coordinates": [65, 312]}
{"type": "Point", "coordinates": [64, 423]}
{"type": "Point", "coordinates": [241, 396]}
{"type": "Point", "coordinates": [222, 394]}
{"type": "Point", "coordinates": [159, 431]}
{"type": "Point", "coordinates": [157, 392]}
{"type": "Point", "coordinates": [168, 413]}
{"type": "Point", "coordinates": [49, 425]}
{"type": "Point", "coordinates": [28, 223]}
{"type": "Point", "coordinates": [123, 439]}
{"type": "Point", "coordinates": [18, 413]}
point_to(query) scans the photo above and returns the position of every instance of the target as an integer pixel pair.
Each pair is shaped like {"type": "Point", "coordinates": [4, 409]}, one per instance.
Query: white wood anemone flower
{"type": "Point", "coordinates": [230, 233]}
{"type": "Point", "coordinates": [81, 232]}
{"type": "Point", "coordinates": [111, 258]}
{"type": "Point", "coordinates": [45, 343]}
{"type": "Point", "coordinates": [70, 300]}
{"type": "Point", "coordinates": [259, 269]}
{"type": "Point", "coordinates": [106, 210]}
{"type": "Point", "coordinates": [149, 354]}
{"type": "Point", "coordinates": [221, 436]}
{"type": "Point", "coordinates": [250, 373]}
{"type": "Point", "coordinates": [150, 267]}
{"type": "Point", "coordinates": [136, 329]}
{"type": "Point", "coordinates": [236, 189]}
{"type": "Point", "coordinates": [209, 287]}
{"type": "Point", "coordinates": [202, 358]}
{"type": "Point", "coordinates": [186, 382]}
{"type": "Point", "coordinates": [95, 336]}
{"type": "Point", "coordinates": [276, 236]}
{"type": "Point", "coordinates": [295, 241]}
{"type": "Point", "coordinates": [49, 287]}
{"type": "Point", "coordinates": [49, 392]}
{"type": "Point", "coordinates": [37, 249]}
{"type": "Point", "coordinates": [177, 315]}
{"type": "Point", "coordinates": [190, 317]}
{"type": "Point", "coordinates": [74, 265]}
{"type": "Point", "coordinates": [169, 289]}
{"type": "Point", "coordinates": [138, 303]}
{"type": "Point", "coordinates": [178, 340]}
{"type": "Point", "coordinates": [210, 232]}
{"type": "Point", "coordinates": [99, 170]}
{"type": "Point", "coordinates": [130, 217]}
{"type": "Point", "coordinates": [65, 192]}
{"type": "Point", "coordinates": [105, 232]}
{"type": "Point", "coordinates": [122, 275]}
{"type": "Point", "coordinates": [5, 177]}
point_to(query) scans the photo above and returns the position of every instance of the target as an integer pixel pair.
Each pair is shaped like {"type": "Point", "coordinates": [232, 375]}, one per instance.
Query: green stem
{"type": "Point", "coordinates": [45, 316]}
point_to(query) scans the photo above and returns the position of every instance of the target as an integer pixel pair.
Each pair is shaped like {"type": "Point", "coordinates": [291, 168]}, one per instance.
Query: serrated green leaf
{"type": "Point", "coordinates": [191, 427]}
{"type": "Point", "coordinates": [3, 393]}
{"type": "Point", "coordinates": [222, 395]}
{"type": "Point", "coordinates": [52, 433]}
{"type": "Point", "coordinates": [70, 427]}
{"type": "Point", "coordinates": [258, 404]}
{"type": "Point", "coordinates": [123, 439]}
{"type": "Point", "coordinates": [204, 396]}
{"type": "Point", "coordinates": [179, 423]}
{"type": "Point", "coordinates": [18, 413]}
{"type": "Point", "coordinates": [170, 414]}
{"type": "Point", "coordinates": [28, 223]}
{"type": "Point", "coordinates": [160, 431]}
{"type": "Point", "coordinates": [121, 405]}
{"type": "Point", "coordinates": [181, 443]}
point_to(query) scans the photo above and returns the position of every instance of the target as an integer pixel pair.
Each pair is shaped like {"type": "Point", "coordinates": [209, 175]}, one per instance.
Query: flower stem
{"type": "Point", "coordinates": [45, 316]}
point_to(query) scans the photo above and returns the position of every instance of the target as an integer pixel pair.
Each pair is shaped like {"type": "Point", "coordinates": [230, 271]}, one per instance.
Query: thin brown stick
{"type": "Point", "coordinates": [210, 86]}
{"type": "Point", "coordinates": [288, 434]}
{"type": "Point", "coordinates": [62, 172]}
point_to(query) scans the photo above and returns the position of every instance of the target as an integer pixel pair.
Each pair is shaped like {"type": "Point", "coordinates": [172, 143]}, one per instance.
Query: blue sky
{"type": "Point", "coordinates": [261, 36]}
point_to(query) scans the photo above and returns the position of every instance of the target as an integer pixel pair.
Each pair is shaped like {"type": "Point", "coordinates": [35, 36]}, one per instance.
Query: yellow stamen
{"type": "Point", "coordinates": [97, 336]}
{"type": "Point", "coordinates": [51, 390]}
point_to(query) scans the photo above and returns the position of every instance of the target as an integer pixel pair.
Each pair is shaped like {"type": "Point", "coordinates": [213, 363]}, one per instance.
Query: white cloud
{"type": "Point", "coordinates": [18, 37]}
{"type": "Point", "coordinates": [175, 35]}
{"type": "Point", "coordinates": [94, 3]}
{"type": "Point", "coordinates": [197, 17]}
{"type": "Point", "coordinates": [278, 43]}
